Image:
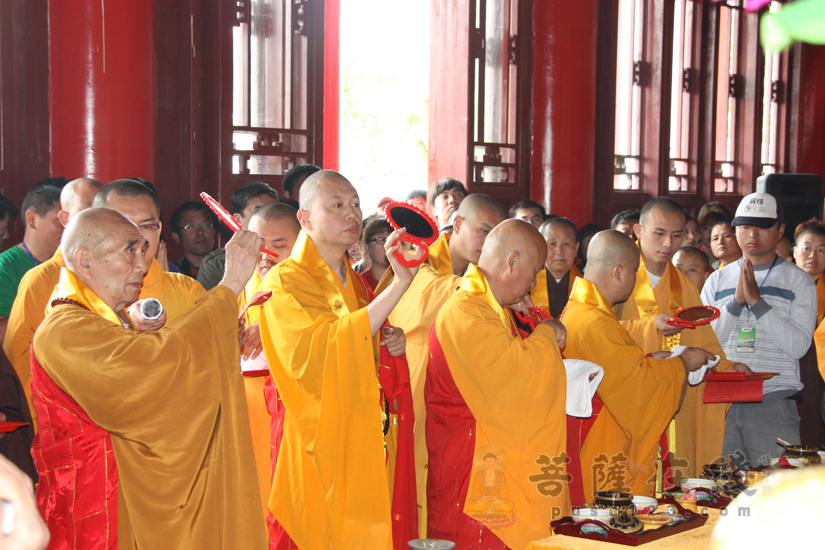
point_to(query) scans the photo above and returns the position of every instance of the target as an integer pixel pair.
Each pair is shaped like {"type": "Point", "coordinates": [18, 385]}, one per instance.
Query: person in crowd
{"type": "Point", "coordinates": [295, 177]}
{"type": "Point", "coordinates": [483, 450]}
{"type": "Point", "coordinates": [723, 245]}
{"type": "Point", "coordinates": [417, 198]}
{"type": "Point", "coordinates": [529, 211]}
{"type": "Point", "coordinates": [693, 237]}
{"type": "Point", "coordinates": [715, 206]}
{"type": "Point", "coordinates": [37, 285]}
{"type": "Point", "coordinates": [694, 263]}
{"type": "Point", "coordinates": [148, 415]}
{"type": "Point", "coordinates": [445, 197]}
{"type": "Point", "coordinates": [784, 248]}
{"type": "Point", "coordinates": [624, 222]}
{"type": "Point", "coordinates": [194, 227]}
{"type": "Point", "coordinates": [7, 212]}
{"type": "Point", "coordinates": [244, 201]}
{"type": "Point", "coordinates": [583, 237]}
{"type": "Point", "coordinates": [41, 238]}
{"type": "Point", "coordinates": [640, 392]}
{"type": "Point", "coordinates": [768, 310]}
{"type": "Point", "coordinates": [809, 253]}
{"type": "Point", "coordinates": [556, 280]}
{"type": "Point", "coordinates": [320, 332]}
{"type": "Point", "coordinates": [15, 445]}
{"type": "Point", "coordinates": [661, 291]}
{"type": "Point", "coordinates": [706, 222]}
{"type": "Point", "coordinates": [374, 237]}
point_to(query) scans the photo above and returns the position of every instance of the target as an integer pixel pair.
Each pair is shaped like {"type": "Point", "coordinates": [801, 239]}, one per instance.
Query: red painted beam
{"type": "Point", "coordinates": [332, 83]}
{"type": "Point", "coordinates": [564, 107]}
{"type": "Point", "coordinates": [102, 88]}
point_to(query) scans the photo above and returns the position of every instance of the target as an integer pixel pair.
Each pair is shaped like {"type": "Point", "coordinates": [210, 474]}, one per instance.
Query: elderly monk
{"type": "Point", "coordinates": [37, 285]}
{"type": "Point", "coordinates": [556, 280]}
{"type": "Point", "coordinates": [436, 281]}
{"type": "Point", "coordinates": [150, 426]}
{"type": "Point", "coordinates": [639, 394]}
{"type": "Point", "coordinates": [277, 224]}
{"type": "Point", "coordinates": [498, 408]}
{"type": "Point", "coordinates": [319, 334]}
{"type": "Point", "coordinates": [695, 437]}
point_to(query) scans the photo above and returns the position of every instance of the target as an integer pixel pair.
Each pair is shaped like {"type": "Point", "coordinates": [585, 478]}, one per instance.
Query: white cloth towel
{"type": "Point", "coordinates": [255, 367]}
{"type": "Point", "coordinates": [580, 389]}
{"type": "Point", "coordinates": [696, 376]}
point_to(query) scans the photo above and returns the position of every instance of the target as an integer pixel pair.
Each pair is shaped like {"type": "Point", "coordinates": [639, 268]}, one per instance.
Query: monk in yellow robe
{"type": "Point", "coordinates": [555, 282]}
{"type": "Point", "coordinates": [695, 438]}
{"type": "Point", "coordinates": [37, 286]}
{"type": "Point", "coordinates": [638, 395]}
{"type": "Point", "coordinates": [277, 224]}
{"type": "Point", "coordinates": [143, 440]}
{"type": "Point", "coordinates": [498, 407]}
{"type": "Point", "coordinates": [436, 281]}
{"type": "Point", "coordinates": [319, 333]}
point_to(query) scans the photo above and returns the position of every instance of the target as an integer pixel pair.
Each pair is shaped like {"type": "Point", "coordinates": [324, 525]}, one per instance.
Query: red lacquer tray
{"type": "Point", "coordinates": [566, 526]}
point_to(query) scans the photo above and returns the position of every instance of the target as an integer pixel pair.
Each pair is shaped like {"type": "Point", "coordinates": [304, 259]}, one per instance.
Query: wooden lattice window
{"type": "Point", "coordinates": [629, 69]}
{"type": "Point", "coordinates": [683, 84]}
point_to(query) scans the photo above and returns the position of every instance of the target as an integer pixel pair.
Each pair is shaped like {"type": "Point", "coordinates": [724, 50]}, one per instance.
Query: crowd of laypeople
{"type": "Point", "coordinates": [312, 384]}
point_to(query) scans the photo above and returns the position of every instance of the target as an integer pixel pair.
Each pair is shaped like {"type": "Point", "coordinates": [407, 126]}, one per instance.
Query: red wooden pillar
{"type": "Point", "coordinates": [332, 83]}
{"type": "Point", "coordinates": [102, 88]}
{"type": "Point", "coordinates": [564, 107]}
{"type": "Point", "coordinates": [807, 139]}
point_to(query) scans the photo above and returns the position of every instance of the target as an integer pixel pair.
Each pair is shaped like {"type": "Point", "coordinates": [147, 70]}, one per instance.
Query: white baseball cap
{"type": "Point", "coordinates": [759, 210]}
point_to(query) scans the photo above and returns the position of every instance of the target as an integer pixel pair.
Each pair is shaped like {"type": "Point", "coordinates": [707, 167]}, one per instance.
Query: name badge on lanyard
{"type": "Point", "coordinates": [745, 341]}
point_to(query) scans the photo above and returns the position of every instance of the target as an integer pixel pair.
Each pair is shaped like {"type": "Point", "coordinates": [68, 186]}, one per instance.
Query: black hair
{"type": "Point", "coordinates": [41, 199]}
{"type": "Point", "coordinates": [296, 174]}
{"type": "Point", "coordinates": [523, 205]}
{"type": "Point", "coordinates": [697, 251]}
{"type": "Point", "coordinates": [624, 216]}
{"type": "Point", "coordinates": [415, 194]}
{"type": "Point", "coordinates": [191, 205]}
{"type": "Point", "coordinates": [242, 195]}
{"type": "Point", "coordinates": [125, 188]}
{"type": "Point", "coordinates": [59, 182]}
{"type": "Point", "coordinates": [445, 185]}
{"type": "Point", "coordinates": [7, 208]}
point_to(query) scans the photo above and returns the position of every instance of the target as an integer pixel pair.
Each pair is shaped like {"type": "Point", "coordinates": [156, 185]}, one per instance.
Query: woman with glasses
{"type": "Point", "coordinates": [373, 238]}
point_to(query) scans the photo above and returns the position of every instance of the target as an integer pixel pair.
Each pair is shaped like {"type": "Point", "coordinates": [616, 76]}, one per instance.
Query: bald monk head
{"type": "Point", "coordinates": [660, 231]}
{"type": "Point", "coordinates": [277, 224]}
{"type": "Point", "coordinates": [612, 261]}
{"type": "Point", "coordinates": [474, 220]}
{"type": "Point", "coordinates": [330, 213]}
{"type": "Point", "coordinates": [138, 203]}
{"type": "Point", "coordinates": [512, 256]}
{"type": "Point", "coordinates": [107, 252]}
{"type": "Point", "coordinates": [75, 197]}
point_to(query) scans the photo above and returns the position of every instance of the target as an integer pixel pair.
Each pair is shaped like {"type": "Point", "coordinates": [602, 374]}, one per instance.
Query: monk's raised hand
{"type": "Point", "coordinates": [694, 358]}
{"type": "Point", "coordinates": [559, 329]}
{"type": "Point", "coordinates": [741, 367]}
{"type": "Point", "coordinates": [663, 327]}
{"type": "Point", "coordinates": [140, 322]}
{"type": "Point", "coordinates": [523, 306]}
{"type": "Point", "coordinates": [242, 254]}
{"type": "Point", "coordinates": [403, 274]}
{"type": "Point", "coordinates": [251, 346]}
{"type": "Point", "coordinates": [394, 340]}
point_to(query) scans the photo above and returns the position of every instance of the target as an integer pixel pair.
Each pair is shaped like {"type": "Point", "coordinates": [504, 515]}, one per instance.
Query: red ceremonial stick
{"type": "Point", "coordinates": [230, 222]}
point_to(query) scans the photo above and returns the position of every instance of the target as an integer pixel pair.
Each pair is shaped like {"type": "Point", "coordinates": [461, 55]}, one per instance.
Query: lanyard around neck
{"type": "Point", "coordinates": [26, 248]}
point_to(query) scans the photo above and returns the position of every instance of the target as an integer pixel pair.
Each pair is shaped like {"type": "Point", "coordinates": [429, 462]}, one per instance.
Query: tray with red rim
{"type": "Point", "coordinates": [713, 376]}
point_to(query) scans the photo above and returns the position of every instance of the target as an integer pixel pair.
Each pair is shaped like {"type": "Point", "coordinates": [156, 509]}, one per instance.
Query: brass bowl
{"type": "Point", "coordinates": [618, 503]}
{"type": "Point", "coordinates": [807, 455]}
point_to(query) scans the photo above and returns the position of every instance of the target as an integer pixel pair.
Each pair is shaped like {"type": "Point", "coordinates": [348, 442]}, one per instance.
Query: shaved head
{"type": "Point", "coordinates": [609, 249]}
{"type": "Point", "coordinates": [513, 254]}
{"type": "Point", "coordinates": [314, 185]}
{"type": "Point", "coordinates": [663, 204]}
{"type": "Point", "coordinates": [92, 229]}
{"type": "Point", "coordinates": [276, 212]}
{"type": "Point", "coordinates": [475, 203]}
{"type": "Point", "coordinates": [77, 196]}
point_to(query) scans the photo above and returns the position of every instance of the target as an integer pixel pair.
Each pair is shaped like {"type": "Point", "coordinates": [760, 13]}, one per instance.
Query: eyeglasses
{"type": "Point", "coordinates": [149, 227]}
{"type": "Point", "coordinates": [206, 226]}
{"type": "Point", "coordinates": [379, 240]}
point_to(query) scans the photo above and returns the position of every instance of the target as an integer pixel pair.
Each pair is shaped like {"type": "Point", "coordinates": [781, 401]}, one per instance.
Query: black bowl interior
{"type": "Point", "coordinates": [415, 224]}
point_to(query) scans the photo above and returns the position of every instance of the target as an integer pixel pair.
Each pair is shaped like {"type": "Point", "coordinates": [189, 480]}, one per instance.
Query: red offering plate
{"type": "Point", "coordinates": [421, 230]}
{"type": "Point", "coordinates": [695, 316]}
{"type": "Point", "coordinates": [6, 427]}
{"type": "Point", "coordinates": [566, 526]}
{"type": "Point", "coordinates": [734, 387]}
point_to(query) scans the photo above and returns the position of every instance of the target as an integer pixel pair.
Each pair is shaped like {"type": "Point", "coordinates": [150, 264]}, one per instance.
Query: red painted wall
{"type": "Point", "coordinates": [332, 83]}
{"type": "Point", "coordinates": [102, 88]}
{"type": "Point", "coordinates": [564, 107]}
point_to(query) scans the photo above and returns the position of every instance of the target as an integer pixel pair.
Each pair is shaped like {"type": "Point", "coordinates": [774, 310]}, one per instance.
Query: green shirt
{"type": "Point", "coordinates": [14, 263]}
{"type": "Point", "coordinates": [212, 268]}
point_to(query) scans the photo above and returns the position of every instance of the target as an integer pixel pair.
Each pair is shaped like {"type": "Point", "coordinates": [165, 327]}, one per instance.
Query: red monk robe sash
{"type": "Point", "coordinates": [77, 492]}
{"type": "Point", "coordinates": [394, 377]}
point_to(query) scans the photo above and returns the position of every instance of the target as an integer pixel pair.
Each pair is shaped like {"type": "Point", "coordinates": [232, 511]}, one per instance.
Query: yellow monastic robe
{"type": "Point", "coordinates": [173, 402]}
{"type": "Point", "coordinates": [820, 300]}
{"type": "Point", "coordinates": [539, 292]}
{"type": "Point", "coordinates": [640, 396]}
{"type": "Point", "coordinates": [699, 427]}
{"type": "Point", "coordinates": [259, 417]}
{"type": "Point", "coordinates": [328, 491]}
{"type": "Point", "coordinates": [175, 291]}
{"type": "Point", "coordinates": [516, 390]}
{"type": "Point", "coordinates": [415, 314]}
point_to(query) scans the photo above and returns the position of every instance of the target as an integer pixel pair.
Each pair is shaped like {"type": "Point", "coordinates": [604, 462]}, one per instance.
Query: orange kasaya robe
{"type": "Point", "coordinates": [819, 333]}
{"type": "Point", "coordinates": [539, 293]}
{"type": "Point", "coordinates": [143, 439]}
{"type": "Point", "coordinates": [639, 394]}
{"type": "Point", "coordinates": [696, 436]}
{"type": "Point", "coordinates": [501, 405]}
{"type": "Point", "coordinates": [259, 417]}
{"type": "Point", "coordinates": [415, 314]}
{"type": "Point", "coordinates": [327, 490]}
{"type": "Point", "coordinates": [175, 291]}
{"type": "Point", "coordinates": [820, 300]}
